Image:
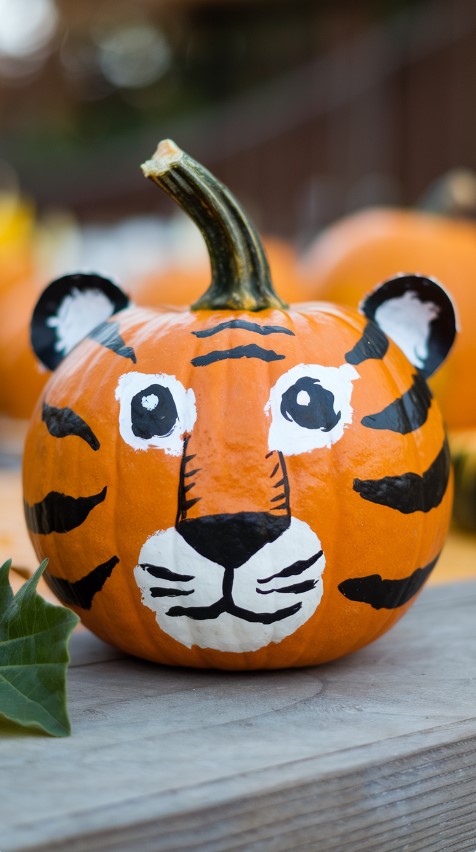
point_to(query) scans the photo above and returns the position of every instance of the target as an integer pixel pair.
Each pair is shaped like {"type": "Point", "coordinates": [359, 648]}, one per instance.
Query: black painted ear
{"type": "Point", "coordinates": [418, 315]}
{"type": "Point", "coordinates": [68, 311]}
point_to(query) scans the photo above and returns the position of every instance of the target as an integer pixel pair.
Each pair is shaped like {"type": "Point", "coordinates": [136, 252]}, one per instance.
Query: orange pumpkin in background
{"type": "Point", "coordinates": [438, 240]}
{"type": "Point", "coordinates": [240, 484]}
{"type": "Point", "coordinates": [21, 376]}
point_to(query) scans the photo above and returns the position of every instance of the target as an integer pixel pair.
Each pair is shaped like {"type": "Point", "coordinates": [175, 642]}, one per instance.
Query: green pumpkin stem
{"type": "Point", "coordinates": [240, 273]}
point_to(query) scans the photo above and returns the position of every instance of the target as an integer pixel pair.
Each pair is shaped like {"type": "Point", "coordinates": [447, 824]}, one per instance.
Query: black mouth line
{"type": "Point", "coordinates": [204, 613]}
{"type": "Point", "coordinates": [296, 568]}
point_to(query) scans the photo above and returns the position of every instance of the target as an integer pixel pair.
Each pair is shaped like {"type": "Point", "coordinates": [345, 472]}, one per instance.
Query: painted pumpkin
{"type": "Point", "coordinates": [237, 485]}
{"type": "Point", "coordinates": [374, 244]}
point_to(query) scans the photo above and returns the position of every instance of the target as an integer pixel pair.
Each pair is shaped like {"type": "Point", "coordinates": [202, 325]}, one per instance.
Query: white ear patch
{"type": "Point", "coordinates": [406, 320]}
{"type": "Point", "coordinates": [79, 312]}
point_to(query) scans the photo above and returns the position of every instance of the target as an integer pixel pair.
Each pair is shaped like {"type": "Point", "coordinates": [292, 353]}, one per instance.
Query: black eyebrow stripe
{"type": "Point", "coordinates": [410, 492]}
{"type": "Point", "coordinates": [386, 594]}
{"type": "Point", "coordinates": [250, 351]}
{"type": "Point", "coordinates": [372, 344]}
{"type": "Point", "coordinates": [62, 422]}
{"type": "Point", "coordinates": [107, 334]}
{"type": "Point", "coordinates": [60, 513]}
{"type": "Point", "coordinates": [405, 414]}
{"type": "Point", "coordinates": [245, 324]}
{"type": "Point", "coordinates": [81, 592]}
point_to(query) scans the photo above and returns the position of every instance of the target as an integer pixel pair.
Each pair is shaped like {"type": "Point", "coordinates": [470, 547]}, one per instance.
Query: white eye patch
{"type": "Point", "coordinates": [155, 411]}
{"type": "Point", "coordinates": [310, 407]}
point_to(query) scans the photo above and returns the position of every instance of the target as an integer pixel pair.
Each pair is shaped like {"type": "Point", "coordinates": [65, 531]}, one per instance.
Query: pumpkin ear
{"type": "Point", "coordinates": [68, 311]}
{"type": "Point", "coordinates": [418, 315]}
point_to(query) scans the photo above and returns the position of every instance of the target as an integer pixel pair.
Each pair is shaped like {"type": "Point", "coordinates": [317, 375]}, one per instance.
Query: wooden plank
{"type": "Point", "coordinates": [376, 751]}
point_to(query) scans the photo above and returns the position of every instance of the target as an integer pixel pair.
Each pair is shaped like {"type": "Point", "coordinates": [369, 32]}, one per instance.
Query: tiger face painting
{"type": "Point", "coordinates": [239, 489]}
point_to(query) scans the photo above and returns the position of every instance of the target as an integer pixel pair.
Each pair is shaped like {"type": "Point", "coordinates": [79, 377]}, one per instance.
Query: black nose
{"type": "Point", "coordinates": [230, 540]}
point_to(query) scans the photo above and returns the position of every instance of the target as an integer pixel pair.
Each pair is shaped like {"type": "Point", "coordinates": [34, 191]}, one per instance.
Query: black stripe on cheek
{"type": "Point", "coordinates": [386, 594]}
{"type": "Point", "coordinates": [107, 334]}
{"type": "Point", "coordinates": [250, 351]}
{"type": "Point", "coordinates": [62, 422]}
{"type": "Point", "coordinates": [59, 512]}
{"type": "Point", "coordinates": [405, 414]}
{"type": "Point", "coordinates": [81, 593]}
{"type": "Point", "coordinates": [372, 344]}
{"type": "Point", "coordinates": [410, 492]}
{"type": "Point", "coordinates": [249, 326]}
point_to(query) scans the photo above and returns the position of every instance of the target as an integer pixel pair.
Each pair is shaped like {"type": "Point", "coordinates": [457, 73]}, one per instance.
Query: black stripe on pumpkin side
{"type": "Point", "coordinates": [63, 422]}
{"type": "Point", "coordinates": [386, 594]}
{"type": "Point", "coordinates": [81, 592]}
{"type": "Point", "coordinates": [59, 512]}
{"type": "Point", "coordinates": [410, 492]}
{"type": "Point", "coordinates": [372, 344]}
{"type": "Point", "coordinates": [107, 335]}
{"type": "Point", "coordinates": [406, 414]}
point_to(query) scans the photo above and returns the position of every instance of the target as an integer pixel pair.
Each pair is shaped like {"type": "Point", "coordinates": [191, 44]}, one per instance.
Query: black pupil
{"type": "Point", "coordinates": [310, 405]}
{"type": "Point", "coordinates": [153, 412]}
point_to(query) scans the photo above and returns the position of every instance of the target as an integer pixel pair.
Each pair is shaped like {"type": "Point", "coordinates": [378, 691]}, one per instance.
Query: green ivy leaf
{"type": "Point", "coordinates": [34, 636]}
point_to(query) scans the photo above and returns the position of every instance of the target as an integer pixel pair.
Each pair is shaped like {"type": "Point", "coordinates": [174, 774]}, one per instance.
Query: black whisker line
{"type": "Point", "coordinates": [278, 484]}
{"type": "Point", "coordinates": [162, 573]}
{"type": "Point", "coordinates": [278, 497]}
{"type": "Point", "coordinates": [296, 588]}
{"type": "Point", "coordinates": [244, 324]}
{"type": "Point", "coordinates": [275, 470]}
{"type": "Point", "coordinates": [296, 568]}
{"type": "Point", "coordinates": [192, 472]}
{"type": "Point", "coordinates": [159, 592]}
{"type": "Point", "coordinates": [188, 487]}
{"type": "Point", "coordinates": [278, 508]}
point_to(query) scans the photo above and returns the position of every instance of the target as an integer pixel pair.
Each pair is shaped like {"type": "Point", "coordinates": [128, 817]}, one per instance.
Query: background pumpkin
{"type": "Point", "coordinates": [21, 376]}
{"type": "Point", "coordinates": [438, 240]}
{"type": "Point", "coordinates": [213, 480]}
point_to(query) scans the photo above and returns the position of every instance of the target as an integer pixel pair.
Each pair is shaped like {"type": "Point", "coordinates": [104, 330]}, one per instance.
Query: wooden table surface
{"type": "Point", "coordinates": [372, 753]}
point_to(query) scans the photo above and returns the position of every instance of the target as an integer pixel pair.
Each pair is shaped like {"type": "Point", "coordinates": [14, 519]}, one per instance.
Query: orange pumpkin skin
{"type": "Point", "coordinates": [371, 245]}
{"type": "Point", "coordinates": [229, 448]}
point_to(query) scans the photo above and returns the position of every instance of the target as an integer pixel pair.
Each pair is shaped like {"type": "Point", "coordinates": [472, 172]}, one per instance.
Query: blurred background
{"type": "Point", "coordinates": [307, 110]}
{"type": "Point", "coordinates": [310, 112]}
